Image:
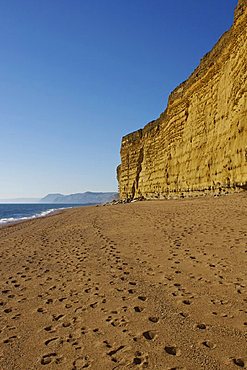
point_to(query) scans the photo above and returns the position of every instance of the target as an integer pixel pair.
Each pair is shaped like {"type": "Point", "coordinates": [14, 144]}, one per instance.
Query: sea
{"type": "Point", "coordinates": [11, 213]}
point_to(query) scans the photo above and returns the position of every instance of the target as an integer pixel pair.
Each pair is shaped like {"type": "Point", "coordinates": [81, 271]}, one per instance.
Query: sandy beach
{"type": "Point", "coordinates": [155, 284]}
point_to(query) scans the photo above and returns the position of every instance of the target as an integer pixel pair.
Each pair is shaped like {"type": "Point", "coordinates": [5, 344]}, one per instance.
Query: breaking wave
{"type": "Point", "coordinates": [8, 220]}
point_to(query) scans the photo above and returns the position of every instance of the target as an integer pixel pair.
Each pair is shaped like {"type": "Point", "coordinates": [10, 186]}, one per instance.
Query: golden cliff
{"type": "Point", "coordinates": [199, 143]}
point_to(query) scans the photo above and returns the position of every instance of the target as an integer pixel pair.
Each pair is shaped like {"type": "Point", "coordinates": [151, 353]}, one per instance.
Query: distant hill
{"type": "Point", "coordinates": [51, 198]}
{"type": "Point", "coordinates": [80, 198]}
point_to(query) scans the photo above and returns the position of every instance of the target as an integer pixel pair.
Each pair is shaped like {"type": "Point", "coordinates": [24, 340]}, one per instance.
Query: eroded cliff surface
{"type": "Point", "coordinates": [199, 144]}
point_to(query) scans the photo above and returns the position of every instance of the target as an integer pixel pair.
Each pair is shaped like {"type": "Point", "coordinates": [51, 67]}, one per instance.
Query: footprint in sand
{"type": "Point", "coordinates": [50, 357]}
{"type": "Point", "coordinates": [57, 317]}
{"type": "Point", "coordinates": [153, 319]}
{"type": "Point", "coordinates": [201, 326]}
{"type": "Point", "coordinates": [142, 298]}
{"type": "Point", "coordinates": [51, 341]}
{"type": "Point", "coordinates": [66, 324]}
{"type": "Point", "coordinates": [7, 310]}
{"type": "Point", "coordinates": [114, 352]}
{"type": "Point", "coordinates": [132, 283]}
{"type": "Point", "coordinates": [149, 335]}
{"type": "Point", "coordinates": [140, 359]}
{"type": "Point", "coordinates": [172, 350]}
{"type": "Point", "coordinates": [137, 361]}
{"type": "Point", "coordinates": [10, 339]}
{"type": "Point", "coordinates": [138, 309]}
{"type": "Point", "coordinates": [239, 362]}
{"type": "Point", "coordinates": [16, 317]}
{"type": "Point", "coordinates": [209, 344]}
{"type": "Point", "coordinates": [82, 362]}
{"type": "Point", "coordinates": [41, 310]}
{"type": "Point", "coordinates": [50, 329]}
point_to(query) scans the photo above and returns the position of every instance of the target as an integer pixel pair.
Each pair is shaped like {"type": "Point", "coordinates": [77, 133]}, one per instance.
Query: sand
{"type": "Point", "coordinates": [156, 285]}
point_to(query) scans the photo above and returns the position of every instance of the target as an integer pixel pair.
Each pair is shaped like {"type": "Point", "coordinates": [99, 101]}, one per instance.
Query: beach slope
{"type": "Point", "coordinates": [156, 285]}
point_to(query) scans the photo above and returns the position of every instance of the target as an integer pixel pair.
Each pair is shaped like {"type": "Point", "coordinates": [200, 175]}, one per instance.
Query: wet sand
{"type": "Point", "coordinates": [156, 285]}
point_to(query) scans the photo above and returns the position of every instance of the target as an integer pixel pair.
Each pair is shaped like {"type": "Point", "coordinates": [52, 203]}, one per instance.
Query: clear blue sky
{"type": "Point", "coordinates": [77, 75]}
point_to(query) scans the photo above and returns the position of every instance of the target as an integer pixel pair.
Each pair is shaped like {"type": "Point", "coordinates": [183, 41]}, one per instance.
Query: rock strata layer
{"type": "Point", "coordinates": [198, 145]}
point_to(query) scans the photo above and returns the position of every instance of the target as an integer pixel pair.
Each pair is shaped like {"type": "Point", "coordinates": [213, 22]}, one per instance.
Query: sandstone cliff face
{"type": "Point", "coordinates": [199, 144]}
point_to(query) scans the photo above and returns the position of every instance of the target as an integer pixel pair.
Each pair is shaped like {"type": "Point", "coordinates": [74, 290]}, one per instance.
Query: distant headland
{"type": "Point", "coordinates": [87, 197]}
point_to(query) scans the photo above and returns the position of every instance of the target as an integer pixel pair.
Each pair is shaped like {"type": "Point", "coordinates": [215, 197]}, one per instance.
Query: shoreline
{"type": "Point", "coordinates": [31, 218]}
{"type": "Point", "coordinates": [49, 213]}
{"type": "Point", "coordinates": [178, 199]}
{"type": "Point", "coordinates": [133, 286]}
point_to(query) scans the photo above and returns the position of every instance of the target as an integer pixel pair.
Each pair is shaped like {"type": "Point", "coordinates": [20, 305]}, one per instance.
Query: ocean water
{"type": "Point", "coordinates": [10, 213]}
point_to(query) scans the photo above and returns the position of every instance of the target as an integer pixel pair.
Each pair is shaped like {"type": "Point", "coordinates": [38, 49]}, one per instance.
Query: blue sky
{"type": "Point", "coordinates": [77, 75]}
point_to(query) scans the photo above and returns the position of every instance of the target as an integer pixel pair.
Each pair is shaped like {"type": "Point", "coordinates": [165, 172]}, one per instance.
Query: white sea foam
{"type": "Point", "coordinates": [4, 221]}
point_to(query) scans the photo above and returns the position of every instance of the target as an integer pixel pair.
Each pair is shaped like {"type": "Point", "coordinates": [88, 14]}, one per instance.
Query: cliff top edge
{"type": "Point", "coordinates": [206, 61]}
